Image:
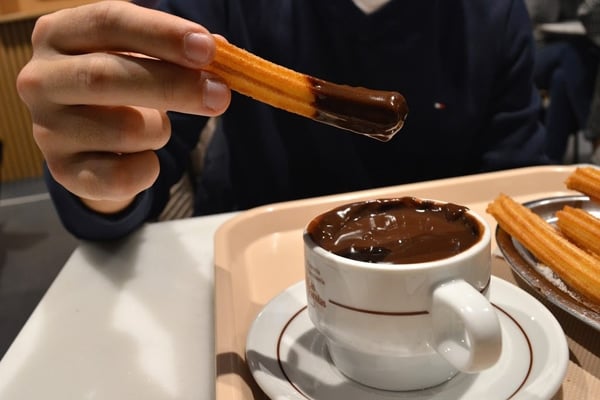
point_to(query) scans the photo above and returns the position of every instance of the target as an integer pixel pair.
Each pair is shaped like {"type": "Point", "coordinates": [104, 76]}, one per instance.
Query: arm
{"type": "Point", "coordinates": [515, 136]}
{"type": "Point", "coordinates": [97, 86]}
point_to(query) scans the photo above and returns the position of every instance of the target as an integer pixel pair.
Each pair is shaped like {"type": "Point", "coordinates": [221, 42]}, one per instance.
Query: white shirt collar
{"type": "Point", "coordinates": [370, 6]}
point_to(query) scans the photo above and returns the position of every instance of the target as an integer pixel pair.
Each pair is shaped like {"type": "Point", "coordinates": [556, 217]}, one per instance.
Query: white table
{"type": "Point", "coordinates": [146, 301]}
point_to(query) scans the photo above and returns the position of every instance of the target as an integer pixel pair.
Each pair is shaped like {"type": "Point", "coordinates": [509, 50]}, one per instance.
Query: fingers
{"type": "Point", "coordinates": [98, 85]}
{"type": "Point", "coordinates": [83, 129]}
{"type": "Point", "coordinates": [103, 153]}
{"type": "Point", "coordinates": [106, 176]}
{"type": "Point", "coordinates": [75, 62]}
{"type": "Point", "coordinates": [85, 55]}
{"type": "Point", "coordinates": [121, 26]}
{"type": "Point", "coordinates": [114, 79]}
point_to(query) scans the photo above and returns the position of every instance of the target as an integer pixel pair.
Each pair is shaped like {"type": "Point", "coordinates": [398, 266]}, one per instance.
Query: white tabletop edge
{"type": "Point", "coordinates": [107, 300]}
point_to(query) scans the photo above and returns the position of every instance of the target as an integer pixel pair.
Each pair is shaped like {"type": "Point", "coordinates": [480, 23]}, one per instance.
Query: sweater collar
{"type": "Point", "coordinates": [370, 6]}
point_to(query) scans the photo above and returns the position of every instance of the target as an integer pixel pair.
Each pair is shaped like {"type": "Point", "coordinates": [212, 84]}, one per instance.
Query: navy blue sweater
{"type": "Point", "coordinates": [465, 68]}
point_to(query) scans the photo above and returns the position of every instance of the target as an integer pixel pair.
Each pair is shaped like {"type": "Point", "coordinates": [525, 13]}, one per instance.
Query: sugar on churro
{"type": "Point", "coordinates": [378, 114]}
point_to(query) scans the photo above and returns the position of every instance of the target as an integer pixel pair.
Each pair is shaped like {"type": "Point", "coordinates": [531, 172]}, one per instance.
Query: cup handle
{"type": "Point", "coordinates": [466, 329]}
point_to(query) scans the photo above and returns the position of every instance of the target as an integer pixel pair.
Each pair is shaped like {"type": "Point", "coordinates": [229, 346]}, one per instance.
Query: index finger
{"type": "Point", "coordinates": [125, 27]}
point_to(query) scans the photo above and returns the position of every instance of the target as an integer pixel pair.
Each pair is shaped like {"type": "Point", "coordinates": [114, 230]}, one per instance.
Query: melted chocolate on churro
{"type": "Point", "coordinates": [399, 231]}
{"type": "Point", "coordinates": [375, 113]}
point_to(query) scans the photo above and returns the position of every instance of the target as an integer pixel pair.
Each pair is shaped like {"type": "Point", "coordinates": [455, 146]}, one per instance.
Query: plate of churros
{"type": "Point", "coordinates": [553, 244]}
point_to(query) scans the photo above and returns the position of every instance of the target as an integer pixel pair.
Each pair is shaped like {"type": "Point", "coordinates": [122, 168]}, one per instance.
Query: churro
{"type": "Point", "coordinates": [577, 268]}
{"type": "Point", "coordinates": [580, 227]}
{"type": "Point", "coordinates": [585, 180]}
{"type": "Point", "coordinates": [375, 113]}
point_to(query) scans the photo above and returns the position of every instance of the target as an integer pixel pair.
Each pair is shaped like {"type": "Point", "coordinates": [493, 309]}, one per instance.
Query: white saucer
{"type": "Point", "coordinates": [289, 360]}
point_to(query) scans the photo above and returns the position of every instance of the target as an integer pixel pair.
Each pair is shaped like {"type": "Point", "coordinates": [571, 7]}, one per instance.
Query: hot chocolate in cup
{"type": "Point", "coordinates": [399, 288]}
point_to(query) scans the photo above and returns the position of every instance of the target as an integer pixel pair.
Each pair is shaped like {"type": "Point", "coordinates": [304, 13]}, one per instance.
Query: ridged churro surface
{"type": "Point", "coordinates": [581, 227]}
{"type": "Point", "coordinates": [579, 269]}
{"type": "Point", "coordinates": [585, 180]}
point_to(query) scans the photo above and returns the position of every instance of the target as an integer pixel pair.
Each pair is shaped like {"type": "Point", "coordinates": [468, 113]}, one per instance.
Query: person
{"type": "Point", "coordinates": [565, 68]}
{"type": "Point", "coordinates": [103, 75]}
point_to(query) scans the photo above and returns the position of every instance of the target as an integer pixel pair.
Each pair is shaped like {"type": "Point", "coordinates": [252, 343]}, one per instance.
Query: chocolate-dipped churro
{"type": "Point", "coordinates": [377, 114]}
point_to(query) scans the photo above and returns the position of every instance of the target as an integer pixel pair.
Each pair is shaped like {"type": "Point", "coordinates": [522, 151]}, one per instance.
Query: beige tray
{"type": "Point", "coordinates": [258, 253]}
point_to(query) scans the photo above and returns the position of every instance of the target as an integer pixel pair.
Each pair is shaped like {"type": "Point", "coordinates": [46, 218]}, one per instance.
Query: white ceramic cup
{"type": "Point", "coordinates": [405, 326]}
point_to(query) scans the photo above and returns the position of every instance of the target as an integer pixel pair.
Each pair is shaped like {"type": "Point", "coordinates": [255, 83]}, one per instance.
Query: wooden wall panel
{"type": "Point", "coordinates": [22, 159]}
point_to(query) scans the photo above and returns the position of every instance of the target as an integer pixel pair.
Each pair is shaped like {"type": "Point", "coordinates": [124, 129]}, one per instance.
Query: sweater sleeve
{"type": "Point", "coordinates": [86, 224]}
{"type": "Point", "coordinates": [515, 136]}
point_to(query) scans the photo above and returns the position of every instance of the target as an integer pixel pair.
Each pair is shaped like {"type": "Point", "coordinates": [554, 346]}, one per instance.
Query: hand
{"type": "Point", "coordinates": [98, 86]}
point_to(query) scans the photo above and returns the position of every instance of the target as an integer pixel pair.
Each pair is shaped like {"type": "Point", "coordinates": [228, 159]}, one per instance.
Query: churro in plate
{"type": "Point", "coordinates": [585, 180]}
{"type": "Point", "coordinates": [577, 268]}
{"type": "Point", "coordinates": [581, 227]}
{"type": "Point", "coordinates": [375, 113]}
